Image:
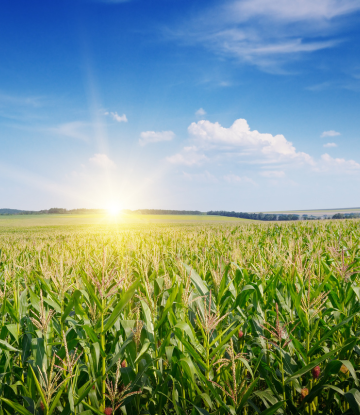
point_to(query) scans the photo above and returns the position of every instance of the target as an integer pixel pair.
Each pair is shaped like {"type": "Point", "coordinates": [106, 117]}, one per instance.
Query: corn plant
{"type": "Point", "coordinates": [173, 319]}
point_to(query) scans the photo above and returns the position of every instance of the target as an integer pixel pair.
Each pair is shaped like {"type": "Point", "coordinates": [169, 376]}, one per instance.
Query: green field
{"type": "Point", "coordinates": [178, 315]}
{"type": "Point", "coordinates": [13, 222]}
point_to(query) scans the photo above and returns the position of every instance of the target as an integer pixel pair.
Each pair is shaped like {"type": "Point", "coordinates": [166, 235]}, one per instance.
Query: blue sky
{"type": "Point", "coordinates": [246, 105]}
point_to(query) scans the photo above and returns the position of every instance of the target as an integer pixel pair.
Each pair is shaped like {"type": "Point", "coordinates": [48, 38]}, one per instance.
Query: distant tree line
{"type": "Point", "coordinates": [346, 216]}
{"type": "Point", "coordinates": [243, 215]}
{"type": "Point", "coordinates": [63, 211]}
{"type": "Point", "coordinates": [255, 216]}
{"type": "Point", "coordinates": [50, 211]}
{"type": "Point", "coordinates": [281, 217]}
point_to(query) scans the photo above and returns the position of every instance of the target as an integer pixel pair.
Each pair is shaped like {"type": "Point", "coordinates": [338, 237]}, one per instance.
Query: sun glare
{"type": "Point", "coordinates": [114, 210]}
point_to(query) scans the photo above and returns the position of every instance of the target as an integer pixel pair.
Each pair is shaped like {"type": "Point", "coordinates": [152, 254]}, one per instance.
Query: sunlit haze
{"type": "Point", "coordinates": [236, 105]}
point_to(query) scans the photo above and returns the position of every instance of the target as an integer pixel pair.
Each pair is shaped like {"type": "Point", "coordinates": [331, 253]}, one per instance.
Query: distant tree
{"type": "Point", "coordinates": [57, 210]}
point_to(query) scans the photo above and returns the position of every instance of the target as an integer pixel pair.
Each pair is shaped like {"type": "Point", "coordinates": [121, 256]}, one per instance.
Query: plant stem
{"type": "Point", "coordinates": [103, 384]}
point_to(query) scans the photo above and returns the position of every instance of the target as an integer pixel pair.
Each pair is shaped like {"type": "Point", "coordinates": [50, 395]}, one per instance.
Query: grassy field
{"type": "Point", "coordinates": [178, 315]}
{"type": "Point", "coordinates": [13, 222]}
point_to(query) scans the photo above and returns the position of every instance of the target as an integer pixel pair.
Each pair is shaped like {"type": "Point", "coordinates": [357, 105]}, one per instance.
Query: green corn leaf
{"type": "Point", "coordinates": [199, 283]}
{"type": "Point", "coordinates": [84, 390]}
{"type": "Point", "coordinates": [201, 411]}
{"type": "Point", "coordinates": [17, 407]}
{"type": "Point", "coordinates": [76, 295]}
{"type": "Point", "coordinates": [143, 350]}
{"type": "Point", "coordinates": [6, 346]}
{"type": "Point", "coordinates": [329, 334]}
{"type": "Point", "coordinates": [272, 409]}
{"type": "Point", "coordinates": [224, 341]}
{"type": "Point", "coordinates": [351, 369]}
{"type": "Point", "coordinates": [247, 394]}
{"type": "Point", "coordinates": [353, 398]}
{"type": "Point", "coordinates": [96, 411]}
{"type": "Point", "coordinates": [91, 292]}
{"type": "Point", "coordinates": [125, 298]}
{"type": "Point", "coordinates": [39, 388]}
{"type": "Point", "coordinates": [168, 305]}
{"type": "Point", "coordinates": [56, 400]}
{"type": "Point", "coordinates": [91, 333]}
{"type": "Point", "coordinates": [314, 363]}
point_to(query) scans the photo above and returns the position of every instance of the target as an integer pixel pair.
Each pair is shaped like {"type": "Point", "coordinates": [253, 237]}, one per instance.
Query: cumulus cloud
{"type": "Point", "coordinates": [239, 135]}
{"type": "Point", "coordinates": [330, 133]}
{"type": "Point", "coordinates": [200, 112]}
{"type": "Point", "coordinates": [274, 174]}
{"type": "Point", "coordinates": [211, 142]}
{"type": "Point", "coordinates": [102, 161]}
{"type": "Point", "coordinates": [233, 178]}
{"type": "Point", "coordinates": [338, 164]}
{"type": "Point", "coordinates": [330, 145]}
{"type": "Point", "coordinates": [155, 137]}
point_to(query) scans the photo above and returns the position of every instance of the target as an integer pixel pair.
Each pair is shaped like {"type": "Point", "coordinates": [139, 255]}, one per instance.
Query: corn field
{"type": "Point", "coordinates": [211, 319]}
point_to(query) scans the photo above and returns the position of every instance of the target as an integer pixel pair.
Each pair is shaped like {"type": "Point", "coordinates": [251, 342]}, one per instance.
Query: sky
{"type": "Point", "coordinates": [245, 105]}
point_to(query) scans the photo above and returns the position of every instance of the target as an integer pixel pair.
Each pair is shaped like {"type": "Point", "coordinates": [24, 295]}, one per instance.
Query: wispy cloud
{"type": "Point", "coordinates": [330, 145]}
{"type": "Point", "coordinates": [330, 133]}
{"type": "Point", "coordinates": [189, 156]}
{"type": "Point", "coordinates": [205, 177]}
{"type": "Point", "coordinates": [293, 10]}
{"type": "Point", "coordinates": [32, 101]}
{"type": "Point", "coordinates": [268, 33]}
{"type": "Point", "coordinates": [277, 174]}
{"type": "Point", "coordinates": [234, 179]}
{"type": "Point", "coordinates": [319, 87]}
{"type": "Point", "coordinates": [155, 137]}
{"type": "Point", "coordinates": [75, 129]}
{"type": "Point", "coordinates": [102, 161]}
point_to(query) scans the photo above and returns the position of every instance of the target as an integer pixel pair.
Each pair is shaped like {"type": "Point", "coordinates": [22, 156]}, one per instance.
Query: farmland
{"type": "Point", "coordinates": [181, 315]}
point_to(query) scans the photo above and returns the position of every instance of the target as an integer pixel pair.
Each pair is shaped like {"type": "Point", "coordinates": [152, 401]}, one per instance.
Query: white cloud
{"type": "Point", "coordinates": [75, 129]}
{"type": "Point", "coordinates": [102, 160]}
{"type": "Point", "coordinates": [337, 164]}
{"type": "Point", "coordinates": [115, 116]}
{"type": "Point", "coordinates": [273, 174]}
{"type": "Point", "coordinates": [221, 146]}
{"type": "Point", "coordinates": [155, 137]}
{"type": "Point", "coordinates": [200, 112]}
{"type": "Point", "coordinates": [189, 157]}
{"type": "Point", "coordinates": [330, 133]}
{"type": "Point", "coordinates": [268, 33]}
{"type": "Point", "coordinates": [118, 118]}
{"type": "Point", "coordinates": [294, 10]}
{"type": "Point", "coordinates": [233, 178]}
{"type": "Point", "coordinates": [330, 145]}
{"type": "Point", "coordinates": [208, 134]}
{"type": "Point", "coordinates": [201, 177]}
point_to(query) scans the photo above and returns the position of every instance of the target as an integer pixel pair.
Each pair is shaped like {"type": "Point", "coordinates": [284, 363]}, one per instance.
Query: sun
{"type": "Point", "coordinates": [114, 209]}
